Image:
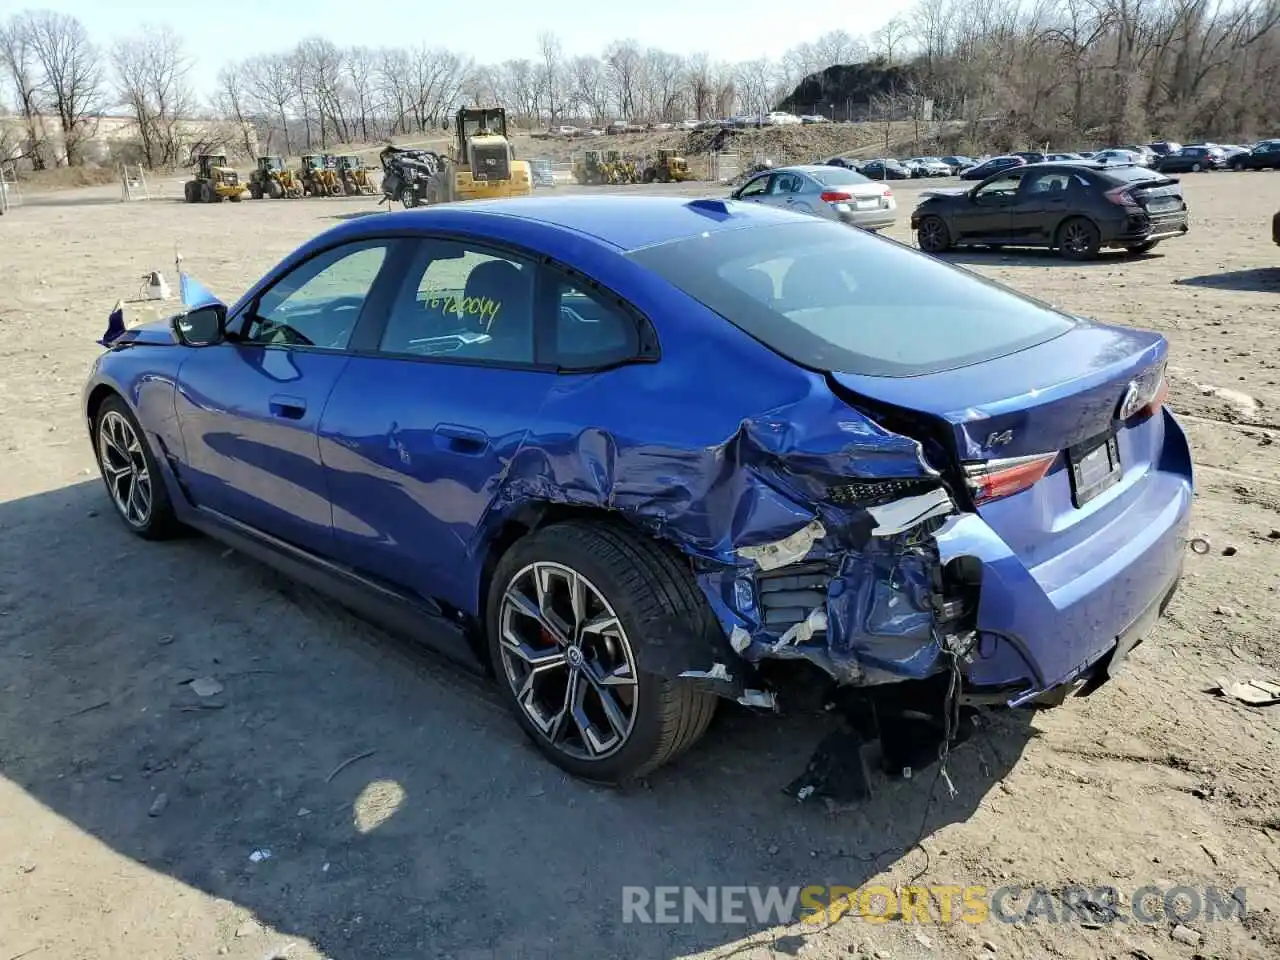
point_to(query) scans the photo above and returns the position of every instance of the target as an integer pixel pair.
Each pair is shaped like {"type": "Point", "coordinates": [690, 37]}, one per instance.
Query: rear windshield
{"type": "Point", "coordinates": [1134, 174]}
{"type": "Point", "coordinates": [831, 297]}
{"type": "Point", "coordinates": [838, 177]}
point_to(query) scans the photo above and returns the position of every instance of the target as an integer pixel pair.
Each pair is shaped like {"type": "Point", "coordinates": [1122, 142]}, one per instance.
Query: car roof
{"type": "Point", "coordinates": [618, 220]}
{"type": "Point", "coordinates": [802, 168]}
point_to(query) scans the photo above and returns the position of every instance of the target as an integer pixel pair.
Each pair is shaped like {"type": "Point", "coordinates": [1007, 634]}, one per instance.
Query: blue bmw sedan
{"type": "Point", "coordinates": [637, 455]}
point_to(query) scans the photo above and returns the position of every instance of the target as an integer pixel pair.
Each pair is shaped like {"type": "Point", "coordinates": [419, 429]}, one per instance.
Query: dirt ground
{"type": "Point", "coordinates": [136, 817]}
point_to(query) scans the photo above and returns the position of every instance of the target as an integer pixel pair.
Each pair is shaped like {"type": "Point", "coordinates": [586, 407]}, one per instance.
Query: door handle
{"type": "Point", "coordinates": [288, 408]}
{"type": "Point", "coordinates": [464, 440]}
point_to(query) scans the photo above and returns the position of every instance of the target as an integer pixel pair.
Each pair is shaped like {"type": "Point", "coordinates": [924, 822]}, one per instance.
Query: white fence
{"type": "Point", "coordinates": [10, 191]}
{"type": "Point", "coordinates": [133, 183]}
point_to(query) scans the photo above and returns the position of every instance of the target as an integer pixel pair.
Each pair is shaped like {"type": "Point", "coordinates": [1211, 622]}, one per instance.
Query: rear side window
{"type": "Point", "coordinates": [832, 298]}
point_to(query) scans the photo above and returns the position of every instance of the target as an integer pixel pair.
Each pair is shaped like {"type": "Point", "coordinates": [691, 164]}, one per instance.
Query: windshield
{"type": "Point", "coordinates": [838, 177]}
{"type": "Point", "coordinates": [832, 298]}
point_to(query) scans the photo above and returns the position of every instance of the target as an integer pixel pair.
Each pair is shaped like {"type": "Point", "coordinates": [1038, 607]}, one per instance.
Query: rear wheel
{"type": "Point", "coordinates": [1196, 168]}
{"type": "Point", "coordinates": [566, 608]}
{"type": "Point", "coordinates": [932, 236]}
{"type": "Point", "coordinates": [274, 190]}
{"type": "Point", "coordinates": [130, 473]}
{"type": "Point", "coordinates": [1078, 239]}
{"type": "Point", "coordinates": [255, 190]}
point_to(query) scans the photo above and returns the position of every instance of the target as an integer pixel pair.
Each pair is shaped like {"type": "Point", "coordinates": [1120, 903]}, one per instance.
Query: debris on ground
{"type": "Point", "coordinates": [158, 805]}
{"type": "Point", "coordinates": [206, 687]}
{"type": "Point", "coordinates": [1256, 693]}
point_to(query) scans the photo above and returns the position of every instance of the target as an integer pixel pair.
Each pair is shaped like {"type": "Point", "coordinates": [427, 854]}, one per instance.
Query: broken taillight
{"type": "Point", "coordinates": [995, 479]}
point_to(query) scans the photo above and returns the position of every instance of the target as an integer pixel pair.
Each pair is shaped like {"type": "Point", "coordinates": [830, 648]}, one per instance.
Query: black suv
{"type": "Point", "coordinates": [1076, 208]}
{"type": "Point", "coordinates": [1263, 155]}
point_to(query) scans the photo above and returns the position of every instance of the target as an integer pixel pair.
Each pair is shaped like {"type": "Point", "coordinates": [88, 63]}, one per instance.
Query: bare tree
{"type": "Point", "coordinates": [550, 71]}
{"type": "Point", "coordinates": [231, 100]}
{"type": "Point", "coordinates": [269, 84]}
{"type": "Point", "coordinates": [887, 42]}
{"type": "Point", "coordinates": [18, 61]}
{"type": "Point", "coordinates": [151, 72]}
{"type": "Point", "coordinates": [71, 76]}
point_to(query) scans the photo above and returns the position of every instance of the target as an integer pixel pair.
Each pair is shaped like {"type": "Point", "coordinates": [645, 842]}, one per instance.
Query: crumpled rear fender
{"type": "Point", "coordinates": [812, 489]}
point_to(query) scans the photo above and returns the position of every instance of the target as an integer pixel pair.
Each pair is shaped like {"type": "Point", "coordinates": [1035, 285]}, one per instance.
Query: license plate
{"type": "Point", "coordinates": [1095, 466]}
{"type": "Point", "coordinates": [868, 204]}
{"type": "Point", "coordinates": [1160, 204]}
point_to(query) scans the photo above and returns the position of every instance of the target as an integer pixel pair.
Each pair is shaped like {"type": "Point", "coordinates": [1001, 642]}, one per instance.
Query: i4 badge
{"type": "Point", "coordinates": [1000, 439]}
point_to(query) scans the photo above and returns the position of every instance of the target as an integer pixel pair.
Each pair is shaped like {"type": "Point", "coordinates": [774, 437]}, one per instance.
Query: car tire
{"type": "Point", "coordinates": [626, 581]}
{"type": "Point", "coordinates": [1078, 239]}
{"type": "Point", "coordinates": [933, 235]}
{"type": "Point", "coordinates": [1143, 247]}
{"type": "Point", "coordinates": [130, 472]}
{"type": "Point", "coordinates": [1196, 168]}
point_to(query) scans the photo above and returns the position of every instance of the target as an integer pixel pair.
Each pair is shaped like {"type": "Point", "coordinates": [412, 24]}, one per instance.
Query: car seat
{"type": "Point", "coordinates": [511, 326]}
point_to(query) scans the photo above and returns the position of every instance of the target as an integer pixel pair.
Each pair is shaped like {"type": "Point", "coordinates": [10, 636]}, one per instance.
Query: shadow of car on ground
{"type": "Point", "coordinates": [449, 835]}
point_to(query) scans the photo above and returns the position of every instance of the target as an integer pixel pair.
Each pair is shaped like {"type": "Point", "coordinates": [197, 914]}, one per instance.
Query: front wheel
{"type": "Point", "coordinates": [1078, 239]}
{"type": "Point", "coordinates": [409, 198]}
{"type": "Point", "coordinates": [566, 615]}
{"type": "Point", "coordinates": [130, 472]}
{"type": "Point", "coordinates": [932, 235]}
{"type": "Point", "coordinates": [1142, 247]}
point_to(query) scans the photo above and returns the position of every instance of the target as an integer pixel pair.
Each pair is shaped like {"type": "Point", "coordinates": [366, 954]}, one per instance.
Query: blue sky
{"type": "Point", "coordinates": [220, 30]}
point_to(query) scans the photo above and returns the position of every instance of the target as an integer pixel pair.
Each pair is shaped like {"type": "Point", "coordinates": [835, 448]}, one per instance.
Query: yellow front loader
{"type": "Point", "coordinates": [319, 176]}
{"type": "Point", "coordinates": [214, 181]}
{"type": "Point", "coordinates": [482, 164]}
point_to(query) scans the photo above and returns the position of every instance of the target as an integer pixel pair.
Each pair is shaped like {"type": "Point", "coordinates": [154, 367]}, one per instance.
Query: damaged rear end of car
{"type": "Point", "coordinates": [984, 489]}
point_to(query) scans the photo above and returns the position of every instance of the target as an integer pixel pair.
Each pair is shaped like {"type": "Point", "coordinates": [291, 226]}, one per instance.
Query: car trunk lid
{"type": "Point", "coordinates": [1039, 437]}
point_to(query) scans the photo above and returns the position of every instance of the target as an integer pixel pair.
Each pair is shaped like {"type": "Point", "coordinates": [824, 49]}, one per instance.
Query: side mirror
{"type": "Point", "coordinates": [201, 327]}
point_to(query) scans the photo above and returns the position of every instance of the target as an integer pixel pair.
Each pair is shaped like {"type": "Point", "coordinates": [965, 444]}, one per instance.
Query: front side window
{"type": "Point", "coordinates": [1002, 188]}
{"type": "Point", "coordinates": [465, 303]}
{"type": "Point", "coordinates": [756, 187]}
{"type": "Point", "coordinates": [318, 303]}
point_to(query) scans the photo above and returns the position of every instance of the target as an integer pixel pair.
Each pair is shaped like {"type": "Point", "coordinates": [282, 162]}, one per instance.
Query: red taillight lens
{"type": "Point", "coordinates": [887, 192]}
{"type": "Point", "coordinates": [836, 196]}
{"type": "Point", "coordinates": [1121, 197]}
{"type": "Point", "coordinates": [1002, 478]}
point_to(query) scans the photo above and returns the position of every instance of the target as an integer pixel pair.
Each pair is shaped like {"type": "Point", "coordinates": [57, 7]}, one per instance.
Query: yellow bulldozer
{"type": "Point", "coordinates": [272, 180]}
{"type": "Point", "coordinates": [319, 176]}
{"type": "Point", "coordinates": [667, 168]}
{"type": "Point", "coordinates": [354, 175]}
{"type": "Point", "coordinates": [214, 181]}
{"type": "Point", "coordinates": [482, 164]}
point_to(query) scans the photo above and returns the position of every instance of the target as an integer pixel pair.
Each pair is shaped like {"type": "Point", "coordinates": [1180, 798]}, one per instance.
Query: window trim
{"type": "Point", "coordinates": [240, 322]}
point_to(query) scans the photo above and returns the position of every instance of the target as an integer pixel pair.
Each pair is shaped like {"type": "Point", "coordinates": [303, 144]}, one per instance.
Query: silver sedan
{"type": "Point", "coordinates": [831, 192]}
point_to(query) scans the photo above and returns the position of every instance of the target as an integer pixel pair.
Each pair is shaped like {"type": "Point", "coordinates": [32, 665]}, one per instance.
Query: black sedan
{"type": "Point", "coordinates": [994, 165]}
{"type": "Point", "coordinates": [1263, 156]}
{"type": "Point", "coordinates": [885, 170]}
{"type": "Point", "coordinates": [1074, 208]}
{"type": "Point", "coordinates": [1191, 160]}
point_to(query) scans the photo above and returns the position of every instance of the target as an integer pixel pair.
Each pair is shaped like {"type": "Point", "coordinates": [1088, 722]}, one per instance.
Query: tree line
{"type": "Point", "coordinates": [1023, 71]}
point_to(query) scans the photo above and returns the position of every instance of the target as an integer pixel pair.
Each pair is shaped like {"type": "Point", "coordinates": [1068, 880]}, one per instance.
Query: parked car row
{"type": "Point", "coordinates": [1075, 206]}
